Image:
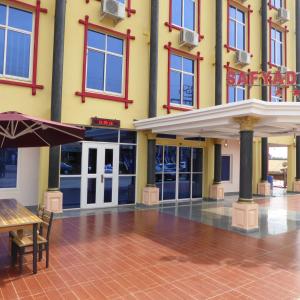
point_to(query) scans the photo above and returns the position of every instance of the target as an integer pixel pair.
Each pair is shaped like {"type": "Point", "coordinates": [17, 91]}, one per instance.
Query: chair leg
{"type": "Point", "coordinates": [21, 259]}
{"type": "Point", "coordinates": [47, 254]}
{"type": "Point", "coordinates": [40, 252]}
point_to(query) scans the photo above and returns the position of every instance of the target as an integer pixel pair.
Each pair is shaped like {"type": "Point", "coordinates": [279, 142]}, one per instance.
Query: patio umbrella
{"type": "Point", "coordinates": [19, 130]}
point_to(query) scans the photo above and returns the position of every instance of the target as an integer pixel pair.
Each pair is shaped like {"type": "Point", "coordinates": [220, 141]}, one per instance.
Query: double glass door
{"type": "Point", "coordinates": [99, 184]}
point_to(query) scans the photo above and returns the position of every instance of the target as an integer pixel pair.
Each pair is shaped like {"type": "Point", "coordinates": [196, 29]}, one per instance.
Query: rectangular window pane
{"type": "Point", "coordinates": [71, 159]}
{"type": "Point", "coordinates": [101, 135]}
{"type": "Point", "coordinates": [96, 40]}
{"type": "Point", "coordinates": [2, 14]}
{"type": "Point", "coordinates": [184, 186]}
{"type": "Point", "coordinates": [175, 87]}
{"type": "Point", "coordinates": [109, 161]}
{"type": "Point", "coordinates": [169, 190]}
{"type": "Point", "coordinates": [91, 191]}
{"type": "Point", "coordinates": [177, 12]}
{"type": "Point", "coordinates": [232, 12]}
{"type": "Point", "coordinates": [18, 54]}
{"type": "Point", "coordinates": [92, 166]}
{"type": "Point", "coordinates": [128, 137]}
{"type": "Point", "coordinates": [20, 19]}
{"type": "Point", "coordinates": [126, 189]}
{"type": "Point", "coordinates": [70, 187]}
{"type": "Point", "coordinates": [240, 37]}
{"type": "Point", "coordinates": [158, 183]}
{"type": "Point", "coordinates": [225, 168]}
{"type": "Point", "coordinates": [278, 54]}
{"type": "Point", "coordinates": [8, 168]}
{"type": "Point", "coordinates": [272, 51]}
{"type": "Point", "coordinates": [188, 65]}
{"type": "Point", "coordinates": [107, 190]}
{"type": "Point", "coordinates": [127, 159]}
{"type": "Point", "coordinates": [240, 94]}
{"type": "Point", "coordinates": [232, 33]}
{"type": "Point", "coordinates": [231, 94]}
{"type": "Point", "coordinates": [2, 39]}
{"type": "Point", "coordinates": [184, 159]}
{"type": "Point", "coordinates": [114, 74]}
{"type": "Point", "coordinates": [189, 14]}
{"type": "Point", "coordinates": [114, 45]}
{"type": "Point", "coordinates": [240, 16]}
{"type": "Point", "coordinates": [170, 159]}
{"type": "Point", "coordinates": [197, 186]}
{"type": "Point", "coordinates": [197, 160]}
{"type": "Point", "coordinates": [159, 159]}
{"type": "Point", "coordinates": [176, 62]}
{"type": "Point", "coordinates": [188, 90]}
{"type": "Point", "coordinates": [95, 70]}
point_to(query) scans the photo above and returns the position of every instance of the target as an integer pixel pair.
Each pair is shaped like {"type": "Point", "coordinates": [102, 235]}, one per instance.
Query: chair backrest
{"type": "Point", "coordinates": [47, 218]}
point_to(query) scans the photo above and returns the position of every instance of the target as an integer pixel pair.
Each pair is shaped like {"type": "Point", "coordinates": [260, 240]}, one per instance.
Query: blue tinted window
{"type": "Point", "coordinates": [232, 34]}
{"type": "Point", "coordinates": [184, 186]}
{"type": "Point", "coordinates": [126, 189]}
{"type": "Point", "coordinates": [276, 3]}
{"type": "Point", "coordinates": [240, 16]}
{"type": "Point", "coordinates": [240, 94]}
{"type": "Point", "coordinates": [95, 70]}
{"type": "Point", "coordinates": [121, 1]}
{"type": "Point", "coordinates": [196, 185]}
{"type": "Point", "coordinates": [232, 12]}
{"type": "Point", "coordinates": [188, 65]}
{"type": "Point", "coordinates": [127, 159]}
{"type": "Point", "coordinates": [276, 47]}
{"type": "Point", "coordinates": [240, 36]}
{"type": "Point", "coordinates": [101, 135]}
{"type": "Point", "coordinates": [18, 54]}
{"type": "Point", "coordinates": [8, 168]}
{"type": "Point", "coordinates": [197, 160]}
{"type": "Point", "coordinates": [184, 159]}
{"type": "Point", "coordinates": [237, 35]}
{"type": "Point", "coordinates": [189, 14]}
{"type": "Point", "coordinates": [2, 14]}
{"type": "Point", "coordinates": [114, 45]}
{"type": "Point", "coordinates": [96, 40]}
{"type": "Point", "coordinates": [114, 74]}
{"type": "Point", "coordinates": [177, 12]}
{"type": "Point", "coordinates": [20, 19]}
{"type": "Point", "coordinates": [175, 87]}
{"type": "Point", "coordinates": [70, 187]}
{"type": "Point", "coordinates": [225, 168]}
{"type": "Point", "coordinates": [188, 89]}
{"type": "Point", "coordinates": [2, 41]}
{"type": "Point", "coordinates": [176, 62]}
{"type": "Point", "coordinates": [70, 159]}
{"type": "Point", "coordinates": [231, 94]}
{"type": "Point", "coordinates": [128, 137]}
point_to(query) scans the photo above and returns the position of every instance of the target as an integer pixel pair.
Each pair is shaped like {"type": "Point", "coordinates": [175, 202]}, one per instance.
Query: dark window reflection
{"type": "Point", "coordinates": [71, 159]}
{"type": "Point", "coordinates": [158, 181]}
{"type": "Point", "coordinates": [159, 159]}
{"type": "Point", "coordinates": [197, 186]}
{"type": "Point", "coordinates": [184, 186]}
{"type": "Point", "coordinates": [101, 135]}
{"type": "Point", "coordinates": [109, 159]}
{"type": "Point", "coordinates": [107, 190]}
{"type": "Point", "coordinates": [126, 189]}
{"type": "Point", "coordinates": [8, 167]}
{"type": "Point", "coordinates": [169, 190]}
{"type": "Point", "coordinates": [127, 159]}
{"type": "Point", "coordinates": [70, 187]}
{"type": "Point", "coordinates": [225, 168]}
{"type": "Point", "coordinates": [92, 167]}
{"type": "Point", "coordinates": [127, 137]}
{"type": "Point", "coordinates": [197, 160]}
{"type": "Point", "coordinates": [170, 159]}
{"type": "Point", "coordinates": [91, 191]}
{"type": "Point", "coordinates": [184, 159]}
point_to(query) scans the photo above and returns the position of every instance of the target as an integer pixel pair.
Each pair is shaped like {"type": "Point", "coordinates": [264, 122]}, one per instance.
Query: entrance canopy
{"type": "Point", "coordinates": [273, 119]}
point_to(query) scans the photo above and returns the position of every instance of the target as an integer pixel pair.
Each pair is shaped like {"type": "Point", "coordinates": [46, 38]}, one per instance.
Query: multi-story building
{"type": "Point", "coordinates": [120, 61]}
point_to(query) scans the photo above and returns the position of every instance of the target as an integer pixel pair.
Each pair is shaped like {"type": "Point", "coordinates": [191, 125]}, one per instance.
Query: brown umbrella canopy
{"type": "Point", "coordinates": [19, 130]}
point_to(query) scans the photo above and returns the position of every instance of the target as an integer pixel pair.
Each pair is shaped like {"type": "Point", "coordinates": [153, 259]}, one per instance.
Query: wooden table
{"type": "Point", "coordinates": [15, 217]}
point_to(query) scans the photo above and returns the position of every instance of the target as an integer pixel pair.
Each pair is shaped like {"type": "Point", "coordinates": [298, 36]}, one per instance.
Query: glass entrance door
{"type": "Point", "coordinates": [99, 184]}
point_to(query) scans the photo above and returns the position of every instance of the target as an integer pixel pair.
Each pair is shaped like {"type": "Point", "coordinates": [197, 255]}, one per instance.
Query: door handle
{"type": "Point", "coordinates": [102, 178]}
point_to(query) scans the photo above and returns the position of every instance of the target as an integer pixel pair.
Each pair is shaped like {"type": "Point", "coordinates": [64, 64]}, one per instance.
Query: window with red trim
{"type": "Point", "coordinates": [19, 30]}
{"type": "Point", "coordinates": [185, 14]}
{"type": "Point", "coordinates": [105, 71]}
{"type": "Point", "coordinates": [238, 26]}
{"type": "Point", "coordinates": [183, 91]}
{"type": "Point", "coordinates": [277, 94]}
{"type": "Point", "coordinates": [276, 4]}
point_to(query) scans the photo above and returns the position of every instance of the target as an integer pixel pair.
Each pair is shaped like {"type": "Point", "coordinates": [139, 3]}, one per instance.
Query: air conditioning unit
{"type": "Point", "coordinates": [113, 9]}
{"type": "Point", "coordinates": [243, 58]}
{"type": "Point", "coordinates": [283, 15]}
{"type": "Point", "coordinates": [282, 69]}
{"type": "Point", "coordinates": [188, 38]}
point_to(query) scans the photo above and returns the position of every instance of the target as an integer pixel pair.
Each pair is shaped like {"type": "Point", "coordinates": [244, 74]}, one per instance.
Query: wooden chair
{"type": "Point", "coordinates": [19, 245]}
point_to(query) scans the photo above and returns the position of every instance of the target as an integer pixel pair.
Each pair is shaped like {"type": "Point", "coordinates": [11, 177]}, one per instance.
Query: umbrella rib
{"type": "Point", "coordinates": [29, 128]}
{"type": "Point", "coordinates": [65, 132]}
{"type": "Point", "coordinates": [5, 131]}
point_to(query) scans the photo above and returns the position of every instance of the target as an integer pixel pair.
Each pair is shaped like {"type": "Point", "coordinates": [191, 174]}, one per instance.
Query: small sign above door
{"type": "Point", "coordinates": [106, 122]}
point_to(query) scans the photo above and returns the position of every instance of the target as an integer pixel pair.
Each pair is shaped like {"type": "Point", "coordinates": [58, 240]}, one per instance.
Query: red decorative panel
{"type": "Point", "coordinates": [125, 36]}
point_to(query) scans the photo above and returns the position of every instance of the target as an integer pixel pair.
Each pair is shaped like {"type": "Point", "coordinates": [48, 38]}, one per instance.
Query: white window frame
{"type": "Point", "coordinates": [236, 38]}
{"type": "Point", "coordinates": [106, 53]}
{"type": "Point", "coordinates": [9, 28]}
{"type": "Point", "coordinates": [182, 16]}
{"type": "Point", "coordinates": [276, 41]}
{"type": "Point", "coordinates": [182, 72]}
{"type": "Point", "coordinates": [236, 89]}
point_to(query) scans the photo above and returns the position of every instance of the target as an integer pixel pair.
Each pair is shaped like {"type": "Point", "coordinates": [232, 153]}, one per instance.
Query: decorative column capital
{"type": "Point", "coordinates": [246, 123]}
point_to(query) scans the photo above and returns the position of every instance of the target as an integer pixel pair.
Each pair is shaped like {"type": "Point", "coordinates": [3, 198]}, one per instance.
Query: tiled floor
{"type": "Point", "coordinates": [150, 254]}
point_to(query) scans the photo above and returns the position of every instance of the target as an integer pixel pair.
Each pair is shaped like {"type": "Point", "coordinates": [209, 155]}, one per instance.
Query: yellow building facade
{"type": "Point", "coordinates": [92, 42]}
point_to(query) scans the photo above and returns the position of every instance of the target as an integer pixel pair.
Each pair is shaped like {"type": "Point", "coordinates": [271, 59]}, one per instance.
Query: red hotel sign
{"type": "Point", "coordinates": [106, 122]}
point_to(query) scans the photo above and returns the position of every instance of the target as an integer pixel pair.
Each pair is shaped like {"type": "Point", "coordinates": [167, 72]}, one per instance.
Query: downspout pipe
{"type": "Point", "coordinates": [152, 111]}
{"type": "Point", "coordinates": [298, 83]}
{"type": "Point", "coordinates": [56, 93]}
{"type": "Point", "coordinates": [218, 86]}
{"type": "Point", "coordinates": [264, 89]}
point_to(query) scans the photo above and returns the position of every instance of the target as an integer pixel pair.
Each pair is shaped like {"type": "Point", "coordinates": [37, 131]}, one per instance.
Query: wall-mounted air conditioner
{"type": "Point", "coordinates": [188, 38]}
{"type": "Point", "coordinates": [113, 9]}
{"type": "Point", "coordinates": [243, 58]}
{"type": "Point", "coordinates": [283, 15]}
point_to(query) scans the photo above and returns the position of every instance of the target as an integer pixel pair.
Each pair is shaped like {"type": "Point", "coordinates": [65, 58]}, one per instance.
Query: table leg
{"type": "Point", "coordinates": [34, 236]}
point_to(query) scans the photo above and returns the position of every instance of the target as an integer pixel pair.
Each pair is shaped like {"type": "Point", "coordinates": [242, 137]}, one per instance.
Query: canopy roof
{"type": "Point", "coordinates": [274, 119]}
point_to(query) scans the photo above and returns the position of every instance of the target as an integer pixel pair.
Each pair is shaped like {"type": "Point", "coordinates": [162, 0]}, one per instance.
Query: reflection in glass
{"type": "Point", "coordinates": [8, 167]}
{"type": "Point", "coordinates": [71, 159]}
{"type": "Point", "coordinates": [109, 159]}
{"type": "Point", "coordinates": [107, 190]}
{"type": "Point", "coordinates": [158, 181]}
{"type": "Point", "coordinates": [197, 159]}
{"type": "Point", "coordinates": [101, 135]}
{"type": "Point", "coordinates": [169, 190]}
{"type": "Point", "coordinates": [184, 186]}
{"type": "Point", "coordinates": [126, 189]}
{"type": "Point", "coordinates": [159, 159]}
{"type": "Point", "coordinates": [91, 191]}
{"type": "Point", "coordinates": [70, 187]}
{"type": "Point", "coordinates": [92, 165]}
{"type": "Point", "coordinates": [127, 159]}
{"type": "Point", "coordinates": [197, 186]}
{"type": "Point", "coordinates": [184, 159]}
{"type": "Point", "coordinates": [128, 137]}
{"type": "Point", "coordinates": [170, 159]}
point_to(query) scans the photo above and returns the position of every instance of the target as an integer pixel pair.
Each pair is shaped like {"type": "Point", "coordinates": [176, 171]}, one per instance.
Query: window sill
{"type": "Point", "coordinates": [179, 108]}
{"type": "Point", "coordinates": [176, 27]}
{"type": "Point", "coordinates": [229, 48]}
{"type": "Point", "coordinates": [26, 84]}
{"type": "Point", "coordinates": [100, 96]}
